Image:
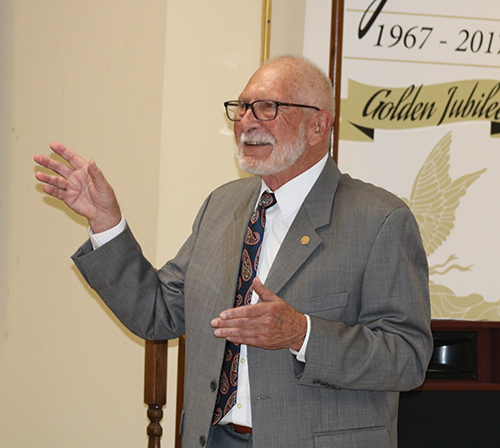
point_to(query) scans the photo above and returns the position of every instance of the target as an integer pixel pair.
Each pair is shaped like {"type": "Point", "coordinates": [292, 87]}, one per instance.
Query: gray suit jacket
{"type": "Point", "coordinates": [362, 278]}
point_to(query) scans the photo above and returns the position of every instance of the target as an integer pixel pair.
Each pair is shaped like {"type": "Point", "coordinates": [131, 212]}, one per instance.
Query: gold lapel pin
{"type": "Point", "coordinates": [305, 240]}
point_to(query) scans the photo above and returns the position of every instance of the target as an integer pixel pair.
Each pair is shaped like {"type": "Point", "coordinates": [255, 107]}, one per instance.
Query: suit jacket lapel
{"type": "Point", "coordinates": [302, 239]}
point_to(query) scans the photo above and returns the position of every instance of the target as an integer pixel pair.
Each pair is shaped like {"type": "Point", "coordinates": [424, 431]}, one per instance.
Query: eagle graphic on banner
{"type": "Point", "coordinates": [433, 201]}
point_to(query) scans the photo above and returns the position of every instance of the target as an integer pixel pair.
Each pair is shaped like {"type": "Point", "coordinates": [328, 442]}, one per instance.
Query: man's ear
{"type": "Point", "coordinates": [319, 127]}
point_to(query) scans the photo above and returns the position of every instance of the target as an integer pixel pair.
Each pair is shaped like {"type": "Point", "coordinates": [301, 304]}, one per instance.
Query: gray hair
{"type": "Point", "coordinates": [314, 86]}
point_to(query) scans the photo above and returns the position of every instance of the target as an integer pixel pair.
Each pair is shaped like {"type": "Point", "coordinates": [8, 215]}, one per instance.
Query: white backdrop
{"type": "Point", "coordinates": [450, 53]}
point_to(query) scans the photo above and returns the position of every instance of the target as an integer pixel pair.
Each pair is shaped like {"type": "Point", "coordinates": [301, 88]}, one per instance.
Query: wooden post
{"type": "Point", "coordinates": [155, 388]}
{"type": "Point", "coordinates": [180, 389]}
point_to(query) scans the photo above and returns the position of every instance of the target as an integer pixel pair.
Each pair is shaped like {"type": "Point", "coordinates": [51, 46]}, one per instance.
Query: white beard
{"type": "Point", "coordinates": [282, 157]}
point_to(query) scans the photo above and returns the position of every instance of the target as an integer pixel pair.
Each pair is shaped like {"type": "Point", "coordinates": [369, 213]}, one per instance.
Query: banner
{"type": "Point", "coordinates": [372, 107]}
{"type": "Point", "coordinates": [420, 116]}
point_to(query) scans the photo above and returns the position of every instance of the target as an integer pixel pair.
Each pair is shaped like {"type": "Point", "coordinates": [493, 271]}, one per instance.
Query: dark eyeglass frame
{"type": "Point", "coordinates": [237, 103]}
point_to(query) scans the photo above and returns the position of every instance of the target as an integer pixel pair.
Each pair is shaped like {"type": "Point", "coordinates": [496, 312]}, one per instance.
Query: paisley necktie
{"type": "Point", "coordinates": [226, 397]}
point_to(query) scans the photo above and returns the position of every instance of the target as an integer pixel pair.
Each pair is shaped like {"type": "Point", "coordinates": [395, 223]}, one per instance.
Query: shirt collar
{"type": "Point", "coordinates": [291, 195]}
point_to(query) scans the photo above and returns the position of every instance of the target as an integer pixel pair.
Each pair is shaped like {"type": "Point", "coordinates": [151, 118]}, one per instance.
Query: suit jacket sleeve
{"type": "Point", "coordinates": [149, 303]}
{"type": "Point", "coordinates": [389, 346]}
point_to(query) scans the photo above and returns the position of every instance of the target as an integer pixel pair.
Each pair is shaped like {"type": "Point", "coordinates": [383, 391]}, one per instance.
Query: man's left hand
{"type": "Point", "coordinates": [271, 324]}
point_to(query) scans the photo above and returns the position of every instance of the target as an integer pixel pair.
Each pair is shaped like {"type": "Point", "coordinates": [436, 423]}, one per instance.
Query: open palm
{"type": "Point", "coordinates": [81, 186]}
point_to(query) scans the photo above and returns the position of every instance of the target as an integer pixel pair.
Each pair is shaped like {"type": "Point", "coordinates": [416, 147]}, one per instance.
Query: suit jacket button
{"type": "Point", "coordinates": [203, 440]}
{"type": "Point", "coordinates": [213, 385]}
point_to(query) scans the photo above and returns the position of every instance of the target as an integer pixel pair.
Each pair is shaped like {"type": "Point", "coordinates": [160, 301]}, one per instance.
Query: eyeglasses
{"type": "Point", "coordinates": [263, 110]}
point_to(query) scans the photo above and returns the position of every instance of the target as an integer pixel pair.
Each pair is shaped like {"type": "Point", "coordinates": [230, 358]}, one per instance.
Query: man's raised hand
{"type": "Point", "coordinates": [81, 186]}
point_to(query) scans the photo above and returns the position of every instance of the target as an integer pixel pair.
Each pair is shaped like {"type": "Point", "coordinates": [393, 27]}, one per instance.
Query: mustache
{"type": "Point", "coordinates": [256, 138]}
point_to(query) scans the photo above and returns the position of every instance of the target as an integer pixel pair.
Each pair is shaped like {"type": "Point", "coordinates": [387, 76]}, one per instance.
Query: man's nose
{"type": "Point", "coordinates": [248, 120]}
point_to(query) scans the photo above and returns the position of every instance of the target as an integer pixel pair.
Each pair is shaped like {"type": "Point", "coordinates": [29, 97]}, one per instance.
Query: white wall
{"type": "Point", "coordinates": [317, 32]}
{"type": "Point", "coordinates": [139, 87]}
{"type": "Point", "coordinates": [287, 27]}
{"type": "Point", "coordinates": [89, 74]}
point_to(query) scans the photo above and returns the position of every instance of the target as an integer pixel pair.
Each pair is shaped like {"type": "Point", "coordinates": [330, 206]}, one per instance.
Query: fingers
{"type": "Point", "coordinates": [252, 311]}
{"type": "Point", "coordinates": [70, 156]}
{"type": "Point", "coordinates": [239, 332]}
{"type": "Point", "coordinates": [82, 186]}
{"type": "Point", "coordinates": [98, 178]}
{"type": "Point", "coordinates": [52, 181]}
{"type": "Point", "coordinates": [53, 165]}
{"type": "Point", "coordinates": [66, 171]}
{"type": "Point", "coordinates": [237, 322]}
{"type": "Point", "coordinates": [55, 192]}
{"type": "Point", "coordinates": [234, 317]}
{"type": "Point", "coordinates": [248, 324]}
{"type": "Point", "coordinates": [263, 292]}
{"type": "Point", "coordinates": [271, 324]}
{"type": "Point", "coordinates": [62, 169]}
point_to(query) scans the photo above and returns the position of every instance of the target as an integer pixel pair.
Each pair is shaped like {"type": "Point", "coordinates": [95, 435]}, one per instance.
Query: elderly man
{"type": "Point", "coordinates": [317, 356]}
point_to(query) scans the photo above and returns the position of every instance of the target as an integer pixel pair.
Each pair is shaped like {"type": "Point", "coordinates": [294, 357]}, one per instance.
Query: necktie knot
{"type": "Point", "coordinates": [267, 200]}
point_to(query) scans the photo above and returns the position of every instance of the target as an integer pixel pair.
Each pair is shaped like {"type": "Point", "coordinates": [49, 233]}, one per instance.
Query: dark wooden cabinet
{"type": "Point", "coordinates": [476, 366]}
{"type": "Point", "coordinates": [458, 406]}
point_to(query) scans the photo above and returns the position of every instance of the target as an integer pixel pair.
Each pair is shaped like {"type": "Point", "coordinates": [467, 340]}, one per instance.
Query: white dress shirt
{"type": "Point", "coordinates": [279, 218]}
